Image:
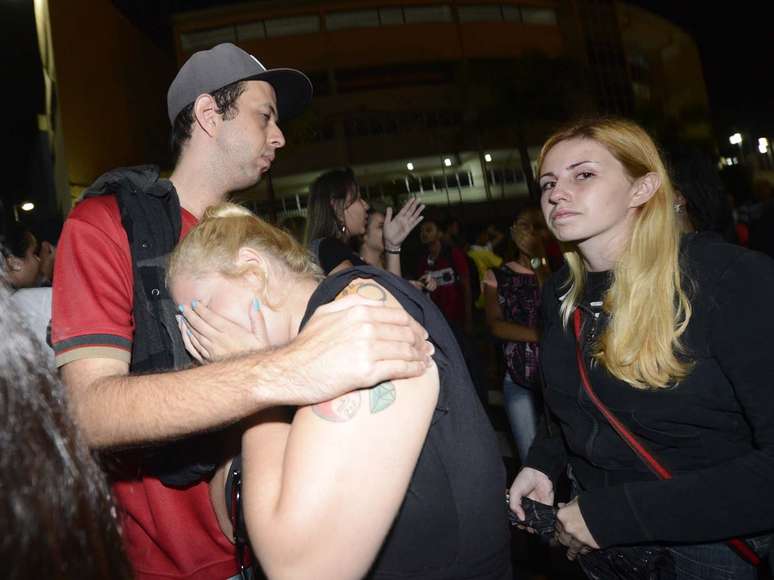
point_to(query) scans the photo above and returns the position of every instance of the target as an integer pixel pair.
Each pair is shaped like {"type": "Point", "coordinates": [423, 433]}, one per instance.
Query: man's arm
{"type": "Point", "coordinates": [321, 496]}
{"type": "Point", "coordinates": [114, 409]}
{"type": "Point", "coordinates": [345, 345]}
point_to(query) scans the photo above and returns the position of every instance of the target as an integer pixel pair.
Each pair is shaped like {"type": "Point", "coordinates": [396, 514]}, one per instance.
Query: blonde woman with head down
{"type": "Point", "coordinates": [399, 479]}
{"type": "Point", "coordinates": [675, 338]}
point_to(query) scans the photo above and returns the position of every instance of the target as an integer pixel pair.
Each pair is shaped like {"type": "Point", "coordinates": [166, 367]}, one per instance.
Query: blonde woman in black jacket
{"type": "Point", "coordinates": [675, 339]}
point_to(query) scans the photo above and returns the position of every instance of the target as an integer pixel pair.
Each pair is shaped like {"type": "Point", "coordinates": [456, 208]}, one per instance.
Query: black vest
{"type": "Point", "coordinates": [150, 214]}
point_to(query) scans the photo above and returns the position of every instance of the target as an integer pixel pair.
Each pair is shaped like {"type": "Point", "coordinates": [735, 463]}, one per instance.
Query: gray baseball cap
{"type": "Point", "coordinates": [209, 70]}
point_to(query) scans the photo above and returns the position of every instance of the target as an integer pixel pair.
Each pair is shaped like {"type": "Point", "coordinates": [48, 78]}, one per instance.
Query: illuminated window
{"type": "Point", "coordinates": [427, 14]}
{"type": "Point", "coordinates": [251, 31]}
{"type": "Point", "coordinates": [354, 19]}
{"type": "Point", "coordinates": [292, 26]}
{"type": "Point", "coordinates": [511, 14]}
{"type": "Point", "coordinates": [533, 15]}
{"type": "Point", "coordinates": [483, 13]}
{"type": "Point", "coordinates": [505, 176]}
{"type": "Point", "coordinates": [390, 16]}
{"type": "Point", "coordinates": [204, 39]}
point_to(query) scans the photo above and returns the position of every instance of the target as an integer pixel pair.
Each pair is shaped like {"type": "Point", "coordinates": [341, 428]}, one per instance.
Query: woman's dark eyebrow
{"type": "Point", "coordinates": [572, 166]}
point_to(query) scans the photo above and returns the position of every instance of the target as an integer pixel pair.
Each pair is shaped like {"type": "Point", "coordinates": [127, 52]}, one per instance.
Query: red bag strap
{"type": "Point", "coordinates": [736, 544]}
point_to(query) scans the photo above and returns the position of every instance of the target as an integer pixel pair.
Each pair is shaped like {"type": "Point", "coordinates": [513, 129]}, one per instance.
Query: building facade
{"type": "Point", "coordinates": [445, 99]}
{"type": "Point", "coordinates": [450, 99]}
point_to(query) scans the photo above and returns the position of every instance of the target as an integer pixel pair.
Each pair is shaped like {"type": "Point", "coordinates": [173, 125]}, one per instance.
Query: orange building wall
{"type": "Point", "coordinates": [357, 47]}
{"type": "Point", "coordinates": [112, 89]}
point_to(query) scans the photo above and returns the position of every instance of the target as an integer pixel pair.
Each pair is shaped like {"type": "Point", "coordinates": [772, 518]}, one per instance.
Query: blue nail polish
{"type": "Point", "coordinates": [180, 307]}
{"type": "Point", "coordinates": [256, 304]}
{"type": "Point", "coordinates": [194, 303]}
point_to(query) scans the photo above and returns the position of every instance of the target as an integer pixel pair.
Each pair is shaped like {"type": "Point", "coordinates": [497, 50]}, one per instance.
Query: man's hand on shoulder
{"type": "Point", "coordinates": [358, 340]}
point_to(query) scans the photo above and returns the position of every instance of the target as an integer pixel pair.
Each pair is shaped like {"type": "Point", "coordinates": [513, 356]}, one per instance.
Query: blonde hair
{"type": "Point", "coordinates": [647, 306]}
{"type": "Point", "coordinates": [213, 245]}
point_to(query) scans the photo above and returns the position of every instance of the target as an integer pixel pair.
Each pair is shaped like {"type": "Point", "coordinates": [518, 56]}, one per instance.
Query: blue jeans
{"type": "Point", "coordinates": [521, 408]}
{"type": "Point", "coordinates": [716, 561]}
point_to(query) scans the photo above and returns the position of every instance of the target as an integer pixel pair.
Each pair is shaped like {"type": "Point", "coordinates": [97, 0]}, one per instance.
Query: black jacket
{"type": "Point", "coordinates": [150, 214]}
{"type": "Point", "coordinates": [714, 430]}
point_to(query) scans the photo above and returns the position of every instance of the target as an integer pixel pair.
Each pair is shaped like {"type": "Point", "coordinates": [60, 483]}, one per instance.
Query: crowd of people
{"type": "Point", "coordinates": [239, 400]}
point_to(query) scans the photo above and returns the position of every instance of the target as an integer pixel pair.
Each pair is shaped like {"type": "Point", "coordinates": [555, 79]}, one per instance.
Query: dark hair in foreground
{"type": "Point", "coordinates": [57, 515]}
{"type": "Point", "coordinates": [225, 98]}
{"type": "Point", "coordinates": [329, 189]}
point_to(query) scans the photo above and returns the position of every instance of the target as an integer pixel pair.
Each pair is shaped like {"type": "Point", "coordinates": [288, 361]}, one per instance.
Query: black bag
{"type": "Point", "coordinates": [621, 563]}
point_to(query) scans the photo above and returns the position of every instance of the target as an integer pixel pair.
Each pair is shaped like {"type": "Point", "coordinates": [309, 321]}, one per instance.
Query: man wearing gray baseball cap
{"type": "Point", "coordinates": [116, 331]}
{"type": "Point", "coordinates": [210, 70]}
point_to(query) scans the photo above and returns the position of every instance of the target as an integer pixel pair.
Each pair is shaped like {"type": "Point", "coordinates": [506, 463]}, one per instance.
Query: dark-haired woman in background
{"type": "Point", "coordinates": [337, 212]}
{"type": "Point", "coordinates": [512, 303]}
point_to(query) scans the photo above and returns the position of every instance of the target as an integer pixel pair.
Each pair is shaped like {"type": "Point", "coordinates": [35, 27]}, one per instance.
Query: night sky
{"type": "Point", "coordinates": [736, 42]}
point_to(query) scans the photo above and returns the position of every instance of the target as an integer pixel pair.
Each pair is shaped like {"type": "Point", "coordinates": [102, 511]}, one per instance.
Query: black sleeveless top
{"type": "Point", "coordinates": [452, 523]}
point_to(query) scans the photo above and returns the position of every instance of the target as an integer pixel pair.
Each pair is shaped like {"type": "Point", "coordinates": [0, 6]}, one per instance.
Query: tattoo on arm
{"type": "Point", "coordinates": [366, 290]}
{"type": "Point", "coordinates": [347, 406]}
{"type": "Point", "coordinates": [381, 396]}
{"type": "Point", "coordinates": [372, 291]}
{"type": "Point", "coordinates": [339, 410]}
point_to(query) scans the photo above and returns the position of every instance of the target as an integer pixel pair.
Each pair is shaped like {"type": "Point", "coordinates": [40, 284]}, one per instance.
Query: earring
{"type": "Point", "coordinates": [679, 207]}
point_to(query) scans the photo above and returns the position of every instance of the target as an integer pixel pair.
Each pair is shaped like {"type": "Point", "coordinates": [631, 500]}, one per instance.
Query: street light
{"type": "Point", "coordinates": [447, 162]}
{"type": "Point", "coordinates": [763, 147]}
{"type": "Point", "coordinates": [24, 206]}
{"type": "Point", "coordinates": [487, 157]}
{"type": "Point", "coordinates": [736, 139]}
{"type": "Point", "coordinates": [410, 166]}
